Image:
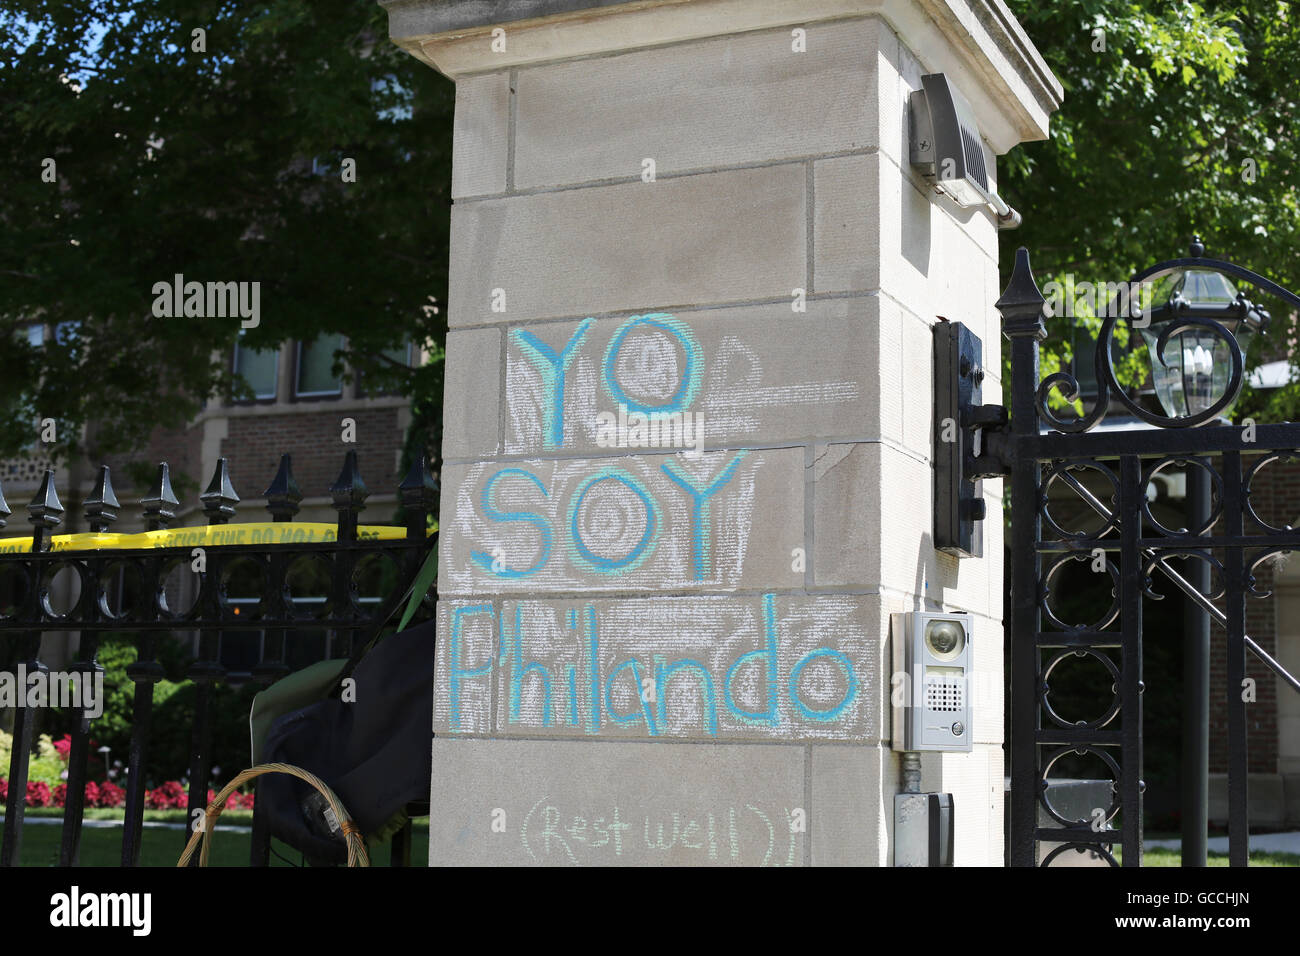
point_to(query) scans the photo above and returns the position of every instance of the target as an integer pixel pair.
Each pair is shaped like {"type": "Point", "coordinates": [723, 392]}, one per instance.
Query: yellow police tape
{"type": "Point", "coordinates": [261, 532]}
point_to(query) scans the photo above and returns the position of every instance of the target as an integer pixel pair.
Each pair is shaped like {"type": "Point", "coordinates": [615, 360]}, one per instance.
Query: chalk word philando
{"type": "Point", "coordinates": [206, 536]}
{"type": "Point", "coordinates": [583, 697]}
{"type": "Point", "coordinates": [641, 505]}
{"type": "Point", "coordinates": [622, 364]}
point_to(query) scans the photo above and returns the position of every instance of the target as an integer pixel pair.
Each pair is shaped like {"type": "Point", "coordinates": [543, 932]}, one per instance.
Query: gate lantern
{"type": "Point", "coordinates": [1191, 363]}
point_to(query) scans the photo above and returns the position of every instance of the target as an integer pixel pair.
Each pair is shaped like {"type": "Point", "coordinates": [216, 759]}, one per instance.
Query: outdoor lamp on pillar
{"type": "Point", "coordinates": [1191, 364]}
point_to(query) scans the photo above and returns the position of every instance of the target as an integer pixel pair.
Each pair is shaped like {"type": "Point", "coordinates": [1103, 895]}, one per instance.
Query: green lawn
{"type": "Point", "coordinates": [1171, 857]}
{"type": "Point", "coordinates": [236, 817]}
{"type": "Point", "coordinates": [162, 847]}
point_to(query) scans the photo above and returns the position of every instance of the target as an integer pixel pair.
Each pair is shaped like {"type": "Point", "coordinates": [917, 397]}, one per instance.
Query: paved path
{"type": "Point", "coordinates": [1268, 842]}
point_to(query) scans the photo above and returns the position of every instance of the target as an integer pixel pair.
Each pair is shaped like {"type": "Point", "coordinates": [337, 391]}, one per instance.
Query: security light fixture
{"type": "Point", "coordinates": [946, 147]}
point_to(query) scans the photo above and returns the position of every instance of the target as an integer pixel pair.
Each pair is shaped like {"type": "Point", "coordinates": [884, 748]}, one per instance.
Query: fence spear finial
{"type": "Point", "coordinates": [160, 503]}
{"type": "Point", "coordinates": [283, 496]}
{"type": "Point", "coordinates": [220, 499]}
{"type": "Point", "coordinates": [1022, 305]}
{"type": "Point", "coordinates": [418, 494]}
{"type": "Point", "coordinates": [45, 511]}
{"type": "Point", "coordinates": [102, 505]}
{"type": "Point", "coordinates": [349, 493]}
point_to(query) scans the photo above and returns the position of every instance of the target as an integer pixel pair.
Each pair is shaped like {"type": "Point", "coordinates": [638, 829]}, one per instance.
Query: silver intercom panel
{"type": "Point", "coordinates": [931, 686]}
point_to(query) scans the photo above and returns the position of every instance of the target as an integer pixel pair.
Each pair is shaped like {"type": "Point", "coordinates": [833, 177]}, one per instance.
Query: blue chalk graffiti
{"type": "Point", "coordinates": [519, 670]}
{"type": "Point", "coordinates": [664, 673]}
{"type": "Point", "coordinates": [646, 715]}
{"type": "Point", "coordinates": [652, 709]}
{"type": "Point", "coordinates": [701, 526]}
{"type": "Point", "coordinates": [554, 368]}
{"type": "Point", "coordinates": [487, 502]}
{"type": "Point", "coordinates": [832, 713]}
{"type": "Point", "coordinates": [583, 555]}
{"type": "Point", "coordinates": [758, 718]}
{"type": "Point", "coordinates": [692, 372]}
{"type": "Point", "coordinates": [455, 672]}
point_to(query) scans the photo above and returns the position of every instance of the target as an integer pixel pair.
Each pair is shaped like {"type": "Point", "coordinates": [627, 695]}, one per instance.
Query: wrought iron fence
{"type": "Point", "coordinates": [165, 586]}
{"type": "Point", "coordinates": [1038, 450]}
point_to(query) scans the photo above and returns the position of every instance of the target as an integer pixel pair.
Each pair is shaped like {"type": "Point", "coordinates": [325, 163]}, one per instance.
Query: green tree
{"type": "Point", "coordinates": [136, 148]}
{"type": "Point", "coordinates": [1178, 119]}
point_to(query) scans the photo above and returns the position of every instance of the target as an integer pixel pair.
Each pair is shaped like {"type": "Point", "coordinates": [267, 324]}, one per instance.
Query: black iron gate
{"type": "Point", "coordinates": [127, 590]}
{"type": "Point", "coordinates": [1039, 449]}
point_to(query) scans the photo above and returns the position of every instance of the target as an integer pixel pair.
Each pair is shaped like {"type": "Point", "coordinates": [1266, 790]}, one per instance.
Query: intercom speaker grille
{"type": "Point", "coordinates": [944, 695]}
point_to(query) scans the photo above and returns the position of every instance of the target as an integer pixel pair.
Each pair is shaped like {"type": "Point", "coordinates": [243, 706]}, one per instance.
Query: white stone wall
{"type": "Point", "coordinates": [775, 171]}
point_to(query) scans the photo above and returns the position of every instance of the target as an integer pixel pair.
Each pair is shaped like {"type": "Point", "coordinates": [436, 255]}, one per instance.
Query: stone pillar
{"type": "Point", "coordinates": [675, 212]}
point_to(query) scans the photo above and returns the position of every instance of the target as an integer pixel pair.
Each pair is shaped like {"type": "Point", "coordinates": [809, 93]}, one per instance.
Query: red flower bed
{"type": "Point", "coordinates": [97, 795]}
{"type": "Point", "coordinates": [170, 796]}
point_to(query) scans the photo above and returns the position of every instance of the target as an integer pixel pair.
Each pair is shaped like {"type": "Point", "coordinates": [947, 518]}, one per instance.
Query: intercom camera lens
{"type": "Point", "coordinates": [945, 639]}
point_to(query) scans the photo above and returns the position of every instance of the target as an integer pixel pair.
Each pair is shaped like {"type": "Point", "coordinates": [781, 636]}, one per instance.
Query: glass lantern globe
{"type": "Point", "coordinates": [1194, 369]}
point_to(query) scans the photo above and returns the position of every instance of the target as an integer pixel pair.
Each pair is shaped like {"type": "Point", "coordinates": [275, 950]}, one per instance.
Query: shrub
{"type": "Point", "coordinates": [171, 740]}
{"type": "Point", "coordinates": [38, 794]}
{"type": "Point", "coordinates": [167, 797]}
{"type": "Point", "coordinates": [4, 792]}
{"type": "Point", "coordinates": [110, 795]}
{"type": "Point", "coordinates": [46, 765]}
{"type": "Point", "coordinates": [171, 743]}
{"type": "Point", "coordinates": [93, 795]}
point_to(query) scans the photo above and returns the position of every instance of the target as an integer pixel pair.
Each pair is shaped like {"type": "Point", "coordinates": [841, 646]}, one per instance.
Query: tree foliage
{"type": "Point", "coordinates": [221, 164]}
{"type": "Point", "coordinates": [1178, 119]}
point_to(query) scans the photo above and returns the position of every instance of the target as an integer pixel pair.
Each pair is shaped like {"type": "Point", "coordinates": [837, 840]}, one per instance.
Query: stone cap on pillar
{"type": "Point", "coordinates": [978, 43]}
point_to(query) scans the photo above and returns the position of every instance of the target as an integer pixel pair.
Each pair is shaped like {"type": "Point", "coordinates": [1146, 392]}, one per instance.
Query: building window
{"type": "Point", "coordinates": [316, 367]}
{"type": "Point", "coordinates": [259, 369]}
{"type": "Point", "coordinates": [401, 355]}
